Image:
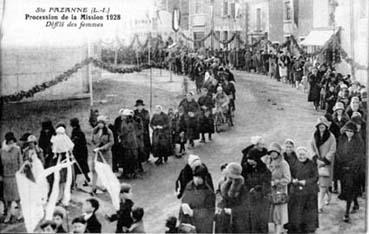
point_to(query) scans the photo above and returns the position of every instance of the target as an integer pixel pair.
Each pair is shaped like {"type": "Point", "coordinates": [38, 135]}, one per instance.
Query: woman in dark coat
{"type": "Point", "coordinates": [252, 155]}
{"type": "Point", "coordinates": [145, 118]}
{"type": "Point", "coordinates": [289, 153]}
{"type": "Point", "coordinates": [303, 203]}
{"type": "Point", "coordinates": [191, 109]}
{"type": "Point", "coordinates": [161, 143]}
{"type": "Point", "coordinates": [242, 209]}
{"type": "Point", "coordinates": [128, 140]}
{"type": "Point", "coordinates": [206, 121]}
{"type": "Point", "coordinates": [47, 131]}
{"type": "Point", "coordinates": [198, 203]}
{"type": "Point", "coordinates": [186, 175]}
{"type": "Point", "coordinates": [314, 91]}
{"type": "Point", "coordinates": [351, 162]}
{"type": "Point", "coordinates": [80, 151]}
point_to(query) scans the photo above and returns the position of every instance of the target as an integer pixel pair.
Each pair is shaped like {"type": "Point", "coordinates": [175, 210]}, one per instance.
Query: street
{"type": "Point", "coordinates": [263, 107]}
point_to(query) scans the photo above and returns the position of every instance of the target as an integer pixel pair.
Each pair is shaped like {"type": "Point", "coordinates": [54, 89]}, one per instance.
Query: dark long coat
{"type": "Point", "coordinates": [314, 92]}
{"type": "Point", "coordinates": [191, 122]}
{"type": "Point", "coordinates": [201, 199]}
{"type": "Point", "coordinates": [206, 121]}
{"type": "Point", "coordinates": [145, 117]}
{"type": "Point", "coordinates": [252, 153]}
{"type": "Point", "coordinates": [249, 215]}
{"type": "Point", "coordinates": [161, 142]}
{"type": "Point", "coordinates": [80, 151]}
{"type": "Point", "coordinates": [142, 156]}
{"type": "Point", "coordinates": [303, 203]}
{"type": "Point", "coordinates": [186, 175]}
{"type": "Point", "coordinates": [350, 158]}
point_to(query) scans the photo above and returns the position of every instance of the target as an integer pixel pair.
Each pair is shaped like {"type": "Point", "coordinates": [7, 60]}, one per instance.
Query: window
{"type": "Point", "coordinates": [197, 6]}
{"type": "Point", "coordinates": [258, 19]}
{"type": "Point", "coordinates": [225, 7]}
{"type": "Point", "coordinates": [363, 8]}
{"type": "Point", "coordinates": [233, 10]}
{"type": "Point", "coordinates": [287, 6]}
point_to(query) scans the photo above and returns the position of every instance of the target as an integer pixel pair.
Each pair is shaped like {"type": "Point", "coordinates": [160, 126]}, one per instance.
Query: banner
{"type": "Point", "coordinates": [108, 179]}
{"type": "Point", "coordinates": [31, 201]}
{"type": "Point", "coordinates": [176, 20]}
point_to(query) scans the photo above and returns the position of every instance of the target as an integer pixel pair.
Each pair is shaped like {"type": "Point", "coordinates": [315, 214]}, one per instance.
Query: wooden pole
{"type": "Point", "coordinates": [367, 132]}
{"type": "Point", "coordinates": [89, 68]}
{"type": "Point", "coordinates": [149, 60]}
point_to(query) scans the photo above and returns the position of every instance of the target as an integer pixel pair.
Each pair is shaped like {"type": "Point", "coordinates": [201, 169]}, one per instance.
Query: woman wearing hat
{"type": "Point", "coordinates": [11, 161]}
{"type": "Point", "coordinates": [314, 91]}
{"type": "Point", "coordinates": [281, 177]}
{"type": "Point", "coordinates": [128, 140]}
{"type": "Point", "coordinates": [303, 202]}
{"type": "Point", "coordinates": [103, 140]}
{"type": "Point", "coordinates": [355, 107]}
{"type": "Point", "coordinates": [191, 110]}
{"type": "Point", "coordinates": [161, 138]}
{"type": "Point", "coordinates": [198, 202]}
{"type": "Point", "coordinates": [80, 151]}
{"type": "Point", "coordinates": [236, 212]}
{"type": "Point", "coordinates": [144, 115]}
{"type": "Point", "coordinates": [351, 162]}
{"type": "Point", "coordinates": [323, 145]}
{"type": "Point", "coordinates": [32, 150]}
{"type": "Point", "coordinates": [206, 121]}
{"type": "Point", "coordinates": [340, 118]}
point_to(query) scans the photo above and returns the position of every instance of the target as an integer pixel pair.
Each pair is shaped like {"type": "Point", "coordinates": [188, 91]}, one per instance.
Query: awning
{"type": "Point", "coordinates": [317, 37]}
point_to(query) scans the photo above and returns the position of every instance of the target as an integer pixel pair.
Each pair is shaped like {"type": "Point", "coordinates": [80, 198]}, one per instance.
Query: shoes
{"type": "Point", "coordinates": [158, 162]}
{"type": "Point", "coordinates": [346, 219]}
{"type": "Point", "coordinates": [355, 209]}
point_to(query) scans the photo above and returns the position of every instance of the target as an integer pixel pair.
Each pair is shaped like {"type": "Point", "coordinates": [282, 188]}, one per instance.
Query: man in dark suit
{"type": "Point", "coordinates": [90, 206]}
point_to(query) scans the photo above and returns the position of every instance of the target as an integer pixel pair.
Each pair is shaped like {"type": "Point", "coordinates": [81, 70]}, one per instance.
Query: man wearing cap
{"type": "Point", "coordinates": [144, 115]}
{"type": "Point", "coordinates": [123, 215]}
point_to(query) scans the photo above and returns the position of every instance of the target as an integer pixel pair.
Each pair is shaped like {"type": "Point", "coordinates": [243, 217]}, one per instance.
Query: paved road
{"type": "Point", "coordinates": [264, 107]}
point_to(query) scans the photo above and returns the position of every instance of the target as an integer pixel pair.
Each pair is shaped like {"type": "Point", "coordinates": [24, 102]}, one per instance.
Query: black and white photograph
{"type": "Point", "coordinates": [184, 116]}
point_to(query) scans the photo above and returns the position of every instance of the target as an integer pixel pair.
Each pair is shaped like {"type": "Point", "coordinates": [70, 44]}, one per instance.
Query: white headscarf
{"type": "Point", "coordinates": [61, 142]}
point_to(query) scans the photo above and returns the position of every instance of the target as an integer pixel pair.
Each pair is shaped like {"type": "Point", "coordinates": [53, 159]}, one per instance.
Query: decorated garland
{"type": "Point", "coordinates": [66, 75]}
{"type": "Point", "coordinates": [195, 40]}
{"type": "Point", "coordinates": [224, 42]}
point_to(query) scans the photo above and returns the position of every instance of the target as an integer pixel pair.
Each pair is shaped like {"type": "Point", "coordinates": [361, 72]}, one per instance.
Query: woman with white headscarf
{"type": "Point", "coordinates": [303, 203]}
{"type": "Point", "coordinates": [161, 144]}
{"type": "Point", "coordinates": [62, 147]}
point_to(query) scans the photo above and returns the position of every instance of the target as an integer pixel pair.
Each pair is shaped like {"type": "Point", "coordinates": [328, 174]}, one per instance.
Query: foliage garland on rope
{"type": "Point", "coordinates": [67, 74]}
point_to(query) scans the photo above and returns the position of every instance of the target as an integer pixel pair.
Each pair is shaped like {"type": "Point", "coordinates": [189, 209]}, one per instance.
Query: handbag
{"type": "Point", "coordinates": [278, 197]}
{"type": "Point", "coordinates": [324, 171]}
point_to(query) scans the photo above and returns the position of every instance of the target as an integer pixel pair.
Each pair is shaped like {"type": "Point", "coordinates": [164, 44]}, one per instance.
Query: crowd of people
{"type": "Point", "coordinates": [285, 185]}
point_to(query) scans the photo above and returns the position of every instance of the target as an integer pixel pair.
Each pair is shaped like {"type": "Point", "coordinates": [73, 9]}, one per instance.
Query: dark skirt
{"type": "Point", "coordinates": [129, 160]}
{"type": "Point", "coordinates": [206, 124]}
{"type": "Point", "coordinates": [161, 143]}
{"type": "Point", "coordinates": [303, 213]}
{"type": "Point", "coordinates": [350, 185]}
{"type": "Point", "coordinates": [192, 129]}
{"type": "Point", "coordinates": [81, 156]}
